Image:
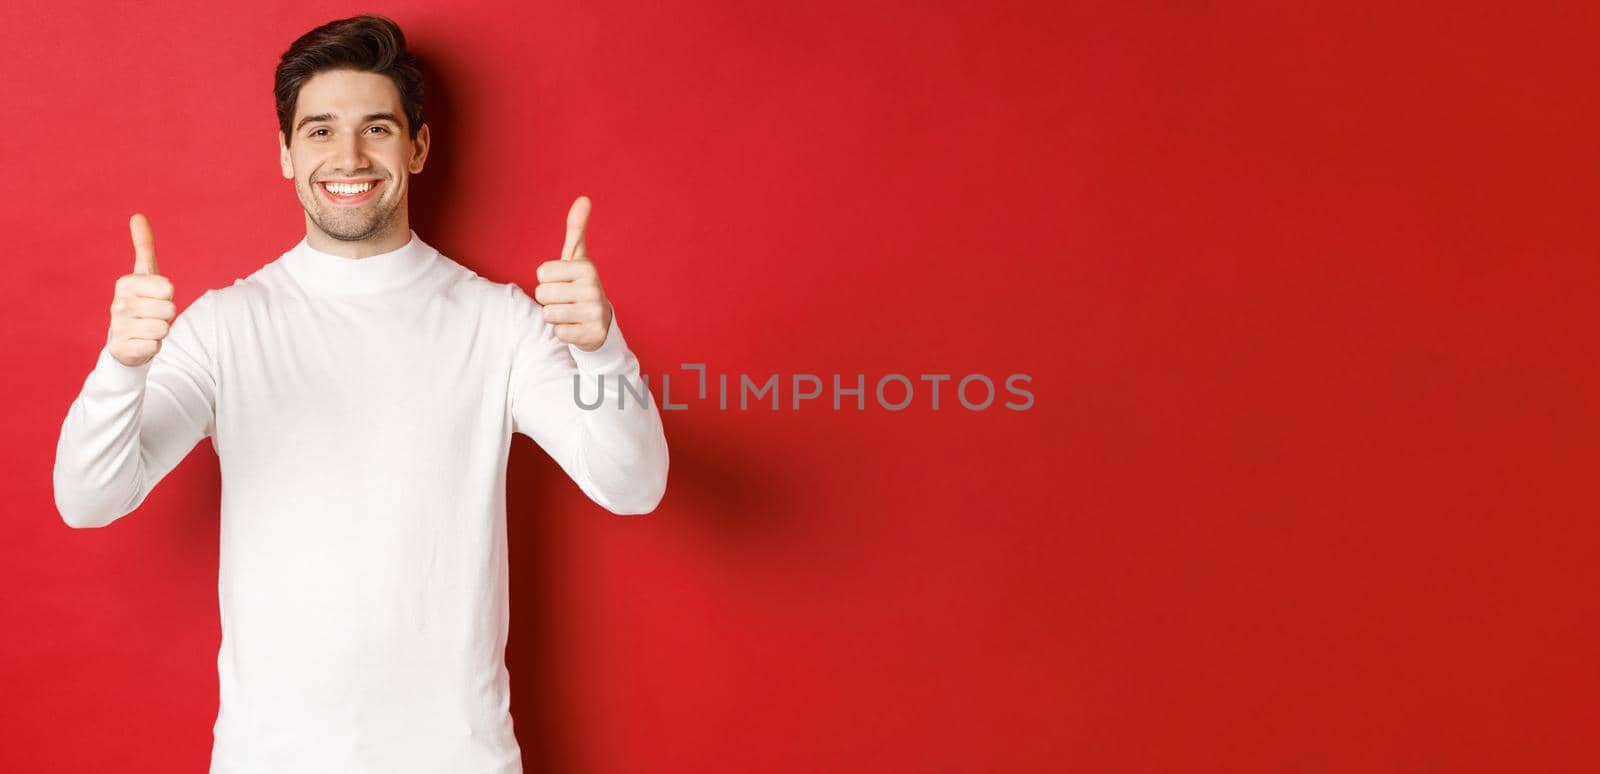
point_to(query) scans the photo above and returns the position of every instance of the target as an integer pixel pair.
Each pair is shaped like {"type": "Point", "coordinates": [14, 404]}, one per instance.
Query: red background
{"type": "Point", "coordinates": [1307, 295]}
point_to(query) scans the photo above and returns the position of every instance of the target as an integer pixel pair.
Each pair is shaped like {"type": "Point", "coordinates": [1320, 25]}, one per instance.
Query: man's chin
{"type": "Point", "coordinates": [350, 232]}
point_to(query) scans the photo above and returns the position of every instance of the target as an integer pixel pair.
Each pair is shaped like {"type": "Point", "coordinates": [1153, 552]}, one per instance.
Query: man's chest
{"type": "Point", "coordinates": [361, 382]}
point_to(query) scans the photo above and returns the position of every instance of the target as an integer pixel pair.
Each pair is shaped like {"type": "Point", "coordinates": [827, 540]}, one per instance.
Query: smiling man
{"type": "Point", "coordinates": [361, 391]}
{"type": "Point", "coordinates": [350, 153]}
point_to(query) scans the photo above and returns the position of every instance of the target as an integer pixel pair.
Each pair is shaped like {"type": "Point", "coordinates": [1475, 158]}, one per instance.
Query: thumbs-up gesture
{"type": "Point", "coordinates": [569, 288]}
{"type": "Point", "coordinates": [142, 308]}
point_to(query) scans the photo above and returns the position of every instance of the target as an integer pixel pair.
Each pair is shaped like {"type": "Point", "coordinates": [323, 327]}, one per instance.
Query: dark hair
{"type": "Point", "coordinates": [367, 43]}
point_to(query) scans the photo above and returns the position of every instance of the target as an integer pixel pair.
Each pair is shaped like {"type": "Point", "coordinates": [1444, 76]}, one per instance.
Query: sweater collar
{"type": "Point", "coordinates": [326, 272]}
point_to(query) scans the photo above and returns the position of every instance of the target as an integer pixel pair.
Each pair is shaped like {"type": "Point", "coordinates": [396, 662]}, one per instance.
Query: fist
{"type": "Point", "coordinates": [141, 306]}
{"type": "Point", "coordinates": [569, 288]}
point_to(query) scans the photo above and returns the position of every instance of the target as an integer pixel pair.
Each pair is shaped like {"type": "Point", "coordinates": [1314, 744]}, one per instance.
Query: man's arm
{"type": "Point", "coordinates": [131, 425]}
{"type": "Point", "coordinates": [616, 452]}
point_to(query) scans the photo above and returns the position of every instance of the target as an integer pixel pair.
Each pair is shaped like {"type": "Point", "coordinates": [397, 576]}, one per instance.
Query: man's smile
{"type": "Point", "coordinates": [349, 190]}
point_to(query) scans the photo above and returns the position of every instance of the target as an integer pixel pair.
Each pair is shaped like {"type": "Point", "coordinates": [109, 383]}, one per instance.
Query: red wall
{"type": "Point", "coordinates": [1308, 299]}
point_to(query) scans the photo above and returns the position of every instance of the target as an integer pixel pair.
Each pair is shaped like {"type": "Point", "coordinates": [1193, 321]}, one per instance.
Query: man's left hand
{"type": "Point", "coordinates": [569, 288]}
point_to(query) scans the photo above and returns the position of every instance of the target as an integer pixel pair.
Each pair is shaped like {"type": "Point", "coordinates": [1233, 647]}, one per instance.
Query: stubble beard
{"type": "Point", "coordinates": [350, 224]}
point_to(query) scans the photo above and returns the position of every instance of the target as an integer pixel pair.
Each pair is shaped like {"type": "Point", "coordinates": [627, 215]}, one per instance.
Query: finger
{"type": "Point", "coordinates": [144, 285]}
{"type": "Point", "coordinates": [577, 224]}
{"type": "Point", "coordinates": [565, 270]}
{"type": "Point", "coordinates": [144, 245]}
{"type": "Point", "coordinates": [142, 306]}
{"type": "Point", "coordinates": [564, 292]}
{"type": "Point", "coordinates": [146, 328]}
{"type": "Point", "coordinates": [563, 313]}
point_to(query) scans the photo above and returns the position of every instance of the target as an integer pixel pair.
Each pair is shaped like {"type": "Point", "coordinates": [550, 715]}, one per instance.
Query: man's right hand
{"type": "Point", "coordinates": [142, 308]}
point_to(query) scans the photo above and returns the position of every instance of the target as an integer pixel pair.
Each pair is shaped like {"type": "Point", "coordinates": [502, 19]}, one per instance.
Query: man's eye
{"type": "Point", "coordinates": [317, 132]}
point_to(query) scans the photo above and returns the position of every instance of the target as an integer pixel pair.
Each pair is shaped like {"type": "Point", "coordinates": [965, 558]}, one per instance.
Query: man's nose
{"type": "Point", "coordinates": [347, 154]}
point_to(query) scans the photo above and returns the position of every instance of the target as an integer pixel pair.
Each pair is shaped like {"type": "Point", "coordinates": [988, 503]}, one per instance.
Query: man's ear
{"type": "Point", "coordinates": [283, 158]}
{"type": "Point", "coordinates": [419, 150]}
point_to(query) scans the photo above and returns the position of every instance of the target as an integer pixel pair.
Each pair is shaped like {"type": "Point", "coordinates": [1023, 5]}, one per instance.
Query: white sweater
{"type": "Point", "coordinates": [362, 412]}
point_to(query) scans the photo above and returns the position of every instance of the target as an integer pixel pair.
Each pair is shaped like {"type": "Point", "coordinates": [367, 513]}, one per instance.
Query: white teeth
{"type": "Point", "coordinates": [348, 189]}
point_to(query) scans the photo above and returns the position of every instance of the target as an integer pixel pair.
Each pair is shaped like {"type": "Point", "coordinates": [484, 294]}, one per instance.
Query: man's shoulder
{"type": "Point", "coordinates": [256, 284]}
{"type": "Point", "coordinates": [470, 284]}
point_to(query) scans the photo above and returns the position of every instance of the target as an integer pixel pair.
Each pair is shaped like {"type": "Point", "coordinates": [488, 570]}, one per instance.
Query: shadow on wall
{"type": "Point", "coordinates": [537, 652]}
{"type": "Point", "coordinates": [431, 201]}
{"type": "Point", "coordinates": [729, 489]}
{"type": "Point", "coordinates": [714, 489]}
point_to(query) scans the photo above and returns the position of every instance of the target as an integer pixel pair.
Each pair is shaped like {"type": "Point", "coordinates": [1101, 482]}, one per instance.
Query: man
{"type": "Point", "coordinates": [361, 391]}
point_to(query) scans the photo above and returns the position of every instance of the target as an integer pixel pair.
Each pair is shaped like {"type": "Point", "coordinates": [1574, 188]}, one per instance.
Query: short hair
{"type": "Point", "coordinates": [365, 43]}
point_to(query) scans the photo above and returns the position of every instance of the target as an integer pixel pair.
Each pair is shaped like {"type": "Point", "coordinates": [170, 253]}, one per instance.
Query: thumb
{"type": "Point", "coordinates": [144, 245]}
{"type": "Point", "coordinates": [577, 224]}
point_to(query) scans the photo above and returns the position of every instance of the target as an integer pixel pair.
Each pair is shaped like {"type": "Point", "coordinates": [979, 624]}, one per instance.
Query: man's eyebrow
{"type": "Point", "coordinates": [330, 116]}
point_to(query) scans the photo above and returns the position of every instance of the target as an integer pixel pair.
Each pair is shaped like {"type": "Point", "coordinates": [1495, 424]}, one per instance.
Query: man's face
{"type": "Point", "coordinates": [349, 131]}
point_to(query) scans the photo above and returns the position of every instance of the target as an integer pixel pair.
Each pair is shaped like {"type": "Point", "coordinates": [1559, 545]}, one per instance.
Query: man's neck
{"type": "Point", "coordinates": [393, 238]}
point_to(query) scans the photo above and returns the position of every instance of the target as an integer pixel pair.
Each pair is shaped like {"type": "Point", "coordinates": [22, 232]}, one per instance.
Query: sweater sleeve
{"type": "Point", "coordinates": [615, 451]}
{"type": "Point", "coordinates": [129, 427]}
